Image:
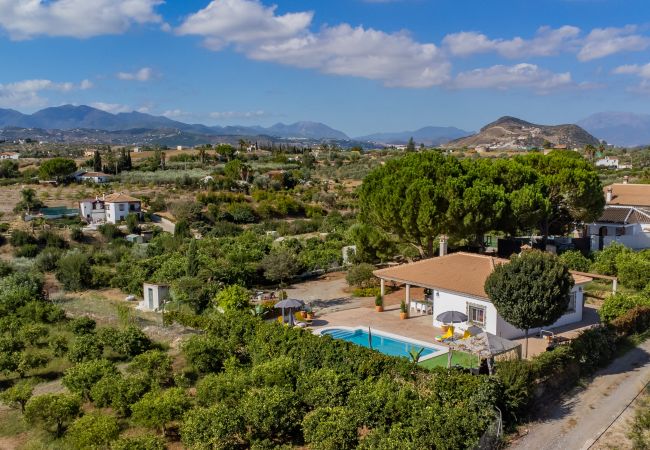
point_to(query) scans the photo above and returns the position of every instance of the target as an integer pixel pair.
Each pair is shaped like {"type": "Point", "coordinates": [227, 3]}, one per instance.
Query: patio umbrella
{"type": "Point", "coordinates": [289, 303]}
{"type": "Point", "coordinates": [451, 317]}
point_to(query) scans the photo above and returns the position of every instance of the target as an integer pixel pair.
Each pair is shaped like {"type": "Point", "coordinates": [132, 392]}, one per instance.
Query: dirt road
{"type": "Point", "coordinates": [578, 422]}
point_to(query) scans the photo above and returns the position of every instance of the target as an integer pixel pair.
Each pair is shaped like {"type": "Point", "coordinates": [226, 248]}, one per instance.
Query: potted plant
{"type": "Point", "coordinates": [403, 311]}
{"type": "Point", "coordinates": [309, 313]}
{"type": "Point", "coordinates": [379, 303]}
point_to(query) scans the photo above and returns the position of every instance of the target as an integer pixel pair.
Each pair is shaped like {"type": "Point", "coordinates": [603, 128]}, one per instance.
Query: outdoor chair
{"type": "Point", "coordinates": [448, 335]}
{"type": "Point", "coordinates": [301, 319]}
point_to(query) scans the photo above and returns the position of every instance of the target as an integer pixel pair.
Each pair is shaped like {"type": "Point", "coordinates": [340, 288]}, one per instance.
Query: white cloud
{"type": "Point", "coordinates": [173, 113]}
{"type": "Point", "coordinates": [144, 74]}
{"type": "Point", "coordinates": [25, 93]}
{"type": "Point", "coordinates": [85, 85]}
{"type": "Point", "coordinates": [237, 114]}
{"type": "Point", "coordinates": [112, 108]}
{"type": "Point", "coordinates": [506, 77]}
{"type": "Point", "coordinates": [601, 42]}
{"type": "Point", "coordinates": [547, 42]}
{"type": "Point", "coordinates": [255, 30]}
{"type": "Point", "coordinates": [25, 19]}
{"type": "Point", "coordinates": [642, 71]}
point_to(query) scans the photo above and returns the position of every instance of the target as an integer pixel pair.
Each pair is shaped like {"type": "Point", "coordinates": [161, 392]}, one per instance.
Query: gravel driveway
{"type": "Point", "coordinates": [579, 420]}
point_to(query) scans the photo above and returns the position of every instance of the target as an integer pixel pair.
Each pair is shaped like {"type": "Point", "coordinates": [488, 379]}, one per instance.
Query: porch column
{"type": "Point", "coordinates": [408, 298]}
{"type": "Point", "coordinates": [382, 284]}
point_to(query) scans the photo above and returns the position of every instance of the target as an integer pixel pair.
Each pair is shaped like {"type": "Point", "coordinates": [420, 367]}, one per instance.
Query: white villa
{"type": "Point", "coordinates": [93, 177]}
{"type": "Point", "coordinates": [9, 155]}
{"type": "Point", "coordinates": [626, 218]}
{"type": "Point", "coordinates": [456, 284]}
{"type": "Point", "coordinates": [111, 208]}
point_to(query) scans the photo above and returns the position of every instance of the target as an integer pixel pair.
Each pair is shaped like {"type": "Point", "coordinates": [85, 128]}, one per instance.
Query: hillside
{"type": "Point", "coordinates": [512, 133]}
{"type": "Point", "coordinates": [427, 135]}
{"type": "Point", "coordinates": [619, 128]}
{"type": "Point", "coordinates": [71, 117]}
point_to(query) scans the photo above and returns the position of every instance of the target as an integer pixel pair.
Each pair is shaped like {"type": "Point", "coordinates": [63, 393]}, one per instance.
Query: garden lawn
{"type": "Point", "coordinates": [457, 359]}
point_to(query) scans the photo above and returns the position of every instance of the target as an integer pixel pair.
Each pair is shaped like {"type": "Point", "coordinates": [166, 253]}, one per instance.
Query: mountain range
{"type": "Point", "coordinates": [70, 117]}
{"type": "Point", "coordinates": [511, 133]}
{"type": "Point", "coordinates": [427, 135]}
{"type": "Point", "coordinates": [619, 128]}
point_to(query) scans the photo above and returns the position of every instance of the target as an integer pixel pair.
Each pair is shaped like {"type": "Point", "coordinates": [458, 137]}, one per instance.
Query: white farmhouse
{"type": "Point", "coordinates": [111, 208]}
{"type": "Point", "coordinates": [9, 155]}
{"type": "Point", "coordinates": [456, 284]}
{"type": "Point", "coordinates": [611, 163]}
{"type": "Point", "coordinates": [625, 219]}
{"type": "Point", "coordinates": [92, 177]}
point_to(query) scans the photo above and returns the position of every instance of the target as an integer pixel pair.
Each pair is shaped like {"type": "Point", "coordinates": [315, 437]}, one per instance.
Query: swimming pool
{"type": "Point", "coordinates": [386, 343]}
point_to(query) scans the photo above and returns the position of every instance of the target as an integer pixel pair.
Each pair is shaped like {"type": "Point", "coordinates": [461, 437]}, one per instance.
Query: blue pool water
{"type": "Point", "coordinates": [386, 345]}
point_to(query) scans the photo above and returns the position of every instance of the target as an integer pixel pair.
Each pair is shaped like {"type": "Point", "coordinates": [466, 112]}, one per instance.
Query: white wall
{"type": "Point", "coordinates": [113, 213]}
{"type": "Point", "coordinates": [634, 237]}
{"type": "Point", "coordinates": [447, 301]}
{"type": "Point", "coordinates": [494, 323]}
{"type": "Point", "coordinates": [159, 294]}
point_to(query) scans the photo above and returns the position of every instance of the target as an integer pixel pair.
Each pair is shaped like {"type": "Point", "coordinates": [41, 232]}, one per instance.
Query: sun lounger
{"type": "Point", "coordinates": [448, 335]}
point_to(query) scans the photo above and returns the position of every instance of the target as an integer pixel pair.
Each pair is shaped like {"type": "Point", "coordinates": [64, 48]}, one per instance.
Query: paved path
{"type": "Point", "coordinates": [579, 420]}
{"type": "Point", "coordinates": [166, 224]}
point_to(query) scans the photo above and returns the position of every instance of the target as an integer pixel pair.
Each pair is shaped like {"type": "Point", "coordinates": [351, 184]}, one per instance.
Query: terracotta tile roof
{"type": "Point", "coordinates": [118, 197]}
{"type": "Point", "coordinates": [463, 273]}
{"type": "Point", "coordinates": [94, 174]}
{"type": "Point", "coordinates": [624, 215]}
{"type": "Point", "coordinates": [629, 194]}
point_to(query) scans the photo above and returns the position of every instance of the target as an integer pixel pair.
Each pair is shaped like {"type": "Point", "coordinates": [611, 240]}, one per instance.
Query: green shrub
{"type": "Point", "coordinates": [145, 442]}
{"type": "Point", "coordinates": [361, 276]}
{"type": "Point", "coordinates": [218, 427]}
{"type": "Point", "coordinates": [53, 412]}
{"type": "Point", "coordinates": [517, 378]}
{"type": "Point", "coordinates": [93, 431]}
{"type": "Point", "coordinates": [594, 348]}
{"type": "Point", "coordinates": [281, 371]}
{"type": "Point", "coordinates": [205, 353]}
{"type": "Point", "coordinates": [618, 304]}
{"type": "Point", "coordinates": [233, 298]}
{"type": "Point", "coordinates": [575, 260]}
{"type": "Point", "coordinates": [636, 320]}
{"type": "Point", "coordinates": [367, 292]}
{"type": "Point", "coordinates": [76, 234]}
{"type": "Point", "coordinates": [48, 259]}
{"type": "Point", "coordinates": [605, 260]}
{"type": "Point", "coordinates": [81, 377]}
{"type": "Point", "coordinates": [227, 387]}
{"type": "Point", "coordinates": [633, 270]}
{"type": "Point", "coordinates": [85, 348]}
{"type": "Point", "coordinates": [323, 387]}
{"type": "Point", "coordinates": [6, 268]}
{"type": "Point", "coordinates": [101, 276]}
{"type": "Point", "coordinates": [74, 271]}
{"type": "Point", "coordinates": [271, 412]}
{"type": "Point", "coordinates": [27, 251]}
{"type": "Point", "coordinates": [330, 428]}
{"type": "Point", "coordinates": [158, 409]}
{"type": "Point", "coordinates": [110, 231]}
{"type": "Point", "coordinates": [82, 325]}
{"type": "Point", "coordinates": [19, 238]}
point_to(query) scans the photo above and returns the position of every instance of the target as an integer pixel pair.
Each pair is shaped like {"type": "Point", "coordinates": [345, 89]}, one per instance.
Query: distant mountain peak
{"type": "Point", "coordinates": [71, 117]}
{"type": "Point", "coordinates": [625, 129]}
{"type": "Point", "coordinates": [429, 135]}
{"type": "Point", "coordinates": [513, 133]}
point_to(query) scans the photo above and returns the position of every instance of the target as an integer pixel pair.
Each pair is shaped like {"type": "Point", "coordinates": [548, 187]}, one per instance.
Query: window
{"type": "Point", "coordinates": [121, 207]}
{"type": "Point", "coordinates": [572, 303]}
{"type": "Point", "coordinates": [476, 314]}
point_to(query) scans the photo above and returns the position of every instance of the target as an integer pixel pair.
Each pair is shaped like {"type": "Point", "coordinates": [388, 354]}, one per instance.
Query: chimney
{"type": "Point", "coordinates": [608, 196]}
{"type": "Point", "coordinates": [442, 250]}
{"type": "Point", "coordinates": [626, 179]}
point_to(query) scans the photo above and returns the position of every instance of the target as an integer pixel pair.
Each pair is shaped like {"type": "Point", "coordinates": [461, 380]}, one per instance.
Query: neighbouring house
{"type": "Point", "coordinates": [111, 208]}
{"type": "Point", "coordinates": [625, 219]}
{"type": "Point", "coordinates": [92, 177]}
{"type": "Point", "coordinates": [455, 283]}
{"type": "Point", "coordinates": [154, 296]}
{"type": "Point", "coordinates": [9, 155]}
{"type": "Point", "coordinates": [612, 163]}
{"type": "Point", "coordinates": [89, 153]}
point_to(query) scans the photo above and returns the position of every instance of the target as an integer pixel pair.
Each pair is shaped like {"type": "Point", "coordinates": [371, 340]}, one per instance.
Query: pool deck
{"type": "Point", "coordinates": [416, 327]}
{"type": "Point", "coordinates": [420, 327]}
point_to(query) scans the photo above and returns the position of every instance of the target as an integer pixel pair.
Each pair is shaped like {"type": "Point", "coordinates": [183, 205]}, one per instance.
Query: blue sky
{"type": "Point", "coordinates": [360, 66]}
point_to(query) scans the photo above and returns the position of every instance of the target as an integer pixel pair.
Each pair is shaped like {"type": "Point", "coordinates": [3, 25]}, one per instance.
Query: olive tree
{"type": "Point", "coordinates": [93, 431]}
{"type": "Point", "coordinates": [530, 291]}
{"type": "Point", "coordinates": [158, 409]}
